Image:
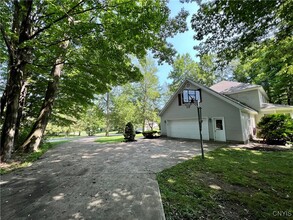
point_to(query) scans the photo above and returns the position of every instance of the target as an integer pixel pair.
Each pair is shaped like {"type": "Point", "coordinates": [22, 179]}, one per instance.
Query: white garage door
{"type": "Point", "coordinates": [187, 129]}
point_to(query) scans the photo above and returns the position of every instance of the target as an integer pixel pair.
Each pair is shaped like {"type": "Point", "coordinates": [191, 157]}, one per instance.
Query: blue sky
{"type": "Point", "coordinates": [183, 43]}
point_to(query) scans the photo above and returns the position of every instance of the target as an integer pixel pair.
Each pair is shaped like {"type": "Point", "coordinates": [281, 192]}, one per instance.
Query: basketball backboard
{"type": "Point", "coordinates": [191, 96]}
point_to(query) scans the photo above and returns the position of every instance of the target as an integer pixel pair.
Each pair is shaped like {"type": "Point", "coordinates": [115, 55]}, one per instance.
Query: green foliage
{"type": "Point", "coordinates": [147, 93]}
{"type": "Point", "coordinates": [101, 35]}
{"type": "Point", "coordinates": [270, 65]}
{"type": "Point", "coordinates": [231, 183]}
{"type": "Point", "coordinates": [276, 128]}
{"type": "Point", "coordinates": [92, 121]}
{"type": "Point", "coordinates": [55, 130]}
{"type": "Point", "coordinates": [227, 27]}
{"type": "Point", "coordinates": [204, 72]}
{"type": "Point", "coordinates": [129, 133]}
{"type": "Point", "coordinates": [259, 34]}
{"type": "Point", "coordinates": [149, 134]}
{"type": "Point", "coordinates": [124, 109]}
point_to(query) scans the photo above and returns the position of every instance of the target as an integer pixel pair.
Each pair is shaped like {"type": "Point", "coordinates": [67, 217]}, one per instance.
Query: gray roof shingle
{"type": "Point", "coordinates": [231, 87]}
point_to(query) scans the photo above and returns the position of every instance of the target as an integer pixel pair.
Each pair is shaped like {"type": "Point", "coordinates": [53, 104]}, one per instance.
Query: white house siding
{"type": "Point", "coordinates": [211, 107]}
{"type": "Point", "coordinates": [248, 125]}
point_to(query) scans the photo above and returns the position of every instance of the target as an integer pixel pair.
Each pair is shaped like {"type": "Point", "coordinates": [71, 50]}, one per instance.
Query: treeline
{"type": "Point", "coordinates": [137, 102]}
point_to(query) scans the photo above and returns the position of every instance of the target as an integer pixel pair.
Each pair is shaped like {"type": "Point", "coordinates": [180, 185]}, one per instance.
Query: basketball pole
{"type": "Point", "coordinates": [196, 102]}
{"type": "Point", "coordinates": [200, 128]}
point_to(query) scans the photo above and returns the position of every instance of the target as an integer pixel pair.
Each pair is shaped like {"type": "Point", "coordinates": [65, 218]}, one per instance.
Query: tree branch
{"type": "Point", "coordinates": [66, 15]}
{"type": "Point", "coordinates": [55, 42]}
{"type": "Point", "coordinates": [6, 40]}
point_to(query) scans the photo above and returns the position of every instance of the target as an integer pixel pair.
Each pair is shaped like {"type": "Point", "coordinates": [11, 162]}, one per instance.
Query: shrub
{"type": "Point", "coordinates": [129, 133]}
{"type": "Point", "coordinates": [276, 128]}
{"type": "Point", "coordinates": [149, 134]}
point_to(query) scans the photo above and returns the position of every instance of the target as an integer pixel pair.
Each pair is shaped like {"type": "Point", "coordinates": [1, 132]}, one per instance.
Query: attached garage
{"type": "Point", "coordinates": [187, 128]}
{"type": "Point", "coordinates": [222, 116]}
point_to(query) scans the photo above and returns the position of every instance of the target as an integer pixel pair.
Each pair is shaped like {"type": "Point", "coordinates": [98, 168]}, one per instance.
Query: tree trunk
{"type": "Point", "coordinates": [107, 115]}
{"type": "Point", "coordinates": [12, 105]}
{"type": "Point", "coordinates": [3, 101]}
{"type": "Point", "coordinates": [143, 124]}
{"type": "Point", "coordinates": [143, 113]}
{"type": "Point", "coordinates": [151, 124]}
{"type": "Point", "coordinates": [34, 139]}
{"type": "Point", "coordinates": [18, 58]}
{"type": "Point", "coordinates": [144, 106]}
{"type": "Point", "coordinates": [22, 99]}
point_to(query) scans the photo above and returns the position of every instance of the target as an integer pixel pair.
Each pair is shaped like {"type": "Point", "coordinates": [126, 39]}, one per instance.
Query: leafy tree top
{"type": "Point", "coordinates": [226, 27]}
{"type": "Point", "coordinates": [102, 35]}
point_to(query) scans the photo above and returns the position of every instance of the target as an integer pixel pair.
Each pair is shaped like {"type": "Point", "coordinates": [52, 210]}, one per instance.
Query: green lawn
{"type": "Point", "coordinates": [114, 139]}
{"type": "Point", "coordinates": [230, 184]}
{"type": "Point", "coordinates": [25, 160]}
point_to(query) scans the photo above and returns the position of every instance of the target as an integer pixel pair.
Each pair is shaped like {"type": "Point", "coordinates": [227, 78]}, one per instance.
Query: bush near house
{"type": "Point", "coordinates": [129, 133]}
{"type": "Point", "coordinates": [276, 128]}
{"type": "Point", "coordinates": [150, 134]}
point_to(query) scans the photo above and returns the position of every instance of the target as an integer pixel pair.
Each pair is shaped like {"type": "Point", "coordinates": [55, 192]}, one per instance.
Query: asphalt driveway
{"type": "Point", "coordinates": [87, 180]}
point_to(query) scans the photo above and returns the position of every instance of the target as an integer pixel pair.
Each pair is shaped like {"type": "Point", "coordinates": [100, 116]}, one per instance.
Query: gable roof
{"type": "Point", "coordinates": [223, 97]}
{"type": "Point", "coordinates": [230, 87]}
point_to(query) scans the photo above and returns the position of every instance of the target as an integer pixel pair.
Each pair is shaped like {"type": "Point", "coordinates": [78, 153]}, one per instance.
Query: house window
{"type": "Point", "coordinates": [219, 124]}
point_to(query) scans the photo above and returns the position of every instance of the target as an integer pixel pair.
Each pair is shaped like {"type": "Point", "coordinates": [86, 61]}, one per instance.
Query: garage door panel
{"type": "Point", "coordinates": [187, 129]}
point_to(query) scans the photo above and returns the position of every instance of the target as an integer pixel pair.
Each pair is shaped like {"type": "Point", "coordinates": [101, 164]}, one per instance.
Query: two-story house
{"type": "Point", "coordinates": [230, 112]}
{"type": "Point", "coordinates": [253, 96]}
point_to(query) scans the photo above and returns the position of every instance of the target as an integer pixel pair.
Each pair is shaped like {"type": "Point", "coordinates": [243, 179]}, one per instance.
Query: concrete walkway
{"type": "Point", "coordinates": [87, 180]}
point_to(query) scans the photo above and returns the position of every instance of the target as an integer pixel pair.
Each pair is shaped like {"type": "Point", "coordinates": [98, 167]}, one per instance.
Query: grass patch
{"type": "Point", "coordinates": [114, 139]}
{"type": "Point", "coordinates": [25, 160]}
{"type": "Point", "coordinates": [229, 184]}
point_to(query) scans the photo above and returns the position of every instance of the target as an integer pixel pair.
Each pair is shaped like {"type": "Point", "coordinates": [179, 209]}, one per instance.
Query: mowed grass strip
{"type": "Point", "coordinates": [230, 184]}
{"type": "Point", "coordinates": [113, 139]}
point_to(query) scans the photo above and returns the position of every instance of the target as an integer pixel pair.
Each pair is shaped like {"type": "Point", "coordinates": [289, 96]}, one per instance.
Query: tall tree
{"type": "Point", "coordinates": [124, 109]}
{"type": "Point", "coordinates": [34, 139]}
{"type": "Point", "coordinates": [228, 27]}
{"type": "Point", "coordinates": [184, 67]}
{"type": "Point", "coordinates": [258, 34]}
{"type": "Point", "coordinates": [270, 65]}
{"type": "Point", "coordinates": [147, 91]}
{"type": "Point", "coordinates": [101, 34]}
{"type": "Point", "coordinates": [19, 55]}
{"type": "Point", "coordinates": [93, 120]}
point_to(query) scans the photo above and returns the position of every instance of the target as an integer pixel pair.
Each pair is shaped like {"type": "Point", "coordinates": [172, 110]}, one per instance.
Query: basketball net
{"type": "Point", "coordinates": [187, 104]}
{"type": "Point", "coordinates": [192, 101]}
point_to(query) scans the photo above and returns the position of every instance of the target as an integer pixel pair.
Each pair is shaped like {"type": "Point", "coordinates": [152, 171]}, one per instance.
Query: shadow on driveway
{"type": "Point", "coordinates": [87, 180]}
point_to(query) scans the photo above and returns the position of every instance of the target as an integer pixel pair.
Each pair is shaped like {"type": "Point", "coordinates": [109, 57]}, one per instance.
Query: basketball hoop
{"type": "Point", "coordinates": [194, 97]}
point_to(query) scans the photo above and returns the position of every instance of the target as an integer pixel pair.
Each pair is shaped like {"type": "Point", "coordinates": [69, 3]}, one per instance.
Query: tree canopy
{"type": "Point", "coordinates": [204, 72]}
{"type": "Point", "coordinates": [227, 27]}
{"type": "Point", "coordinates": [257, 35]}
{"type": "Point", "coordinates": [270, 65]}
{"type": "Point", "coordinates": [52, 50]}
